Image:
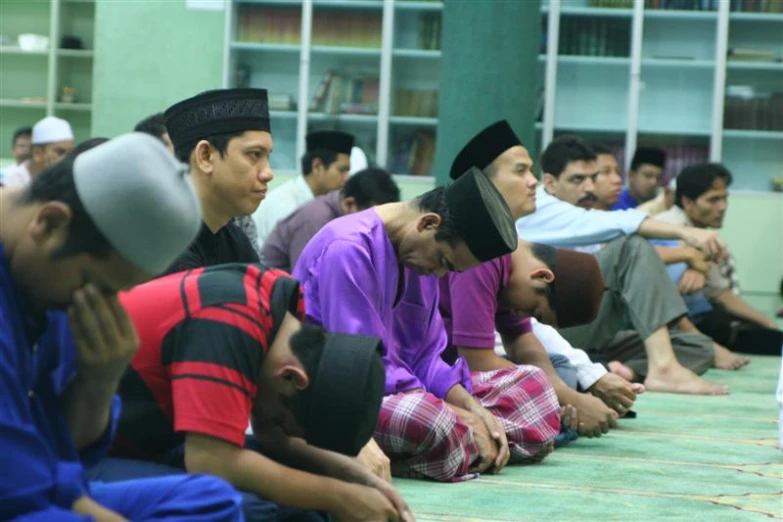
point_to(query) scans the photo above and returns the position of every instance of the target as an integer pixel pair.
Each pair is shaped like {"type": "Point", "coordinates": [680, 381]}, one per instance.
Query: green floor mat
{"type": "Point", "coordinates": [684, 458]}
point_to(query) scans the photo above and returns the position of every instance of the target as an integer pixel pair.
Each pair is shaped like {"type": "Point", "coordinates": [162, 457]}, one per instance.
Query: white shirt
{"type": "Point", "coordinates": [561, 224]}
{"type": "Point", "coordinates": [280, 202]}
{"type": "Point", "coordinates": [587, 372]}
{"type": "Point", "coordinates": [15, 175]}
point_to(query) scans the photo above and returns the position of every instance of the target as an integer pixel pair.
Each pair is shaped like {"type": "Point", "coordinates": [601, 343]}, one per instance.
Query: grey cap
{"type": "Point", "coordinates": [141, 198]}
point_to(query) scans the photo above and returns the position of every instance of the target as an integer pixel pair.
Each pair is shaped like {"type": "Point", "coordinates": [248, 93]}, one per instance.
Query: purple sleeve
{"type": "Point", "coordinates": [350, 302]}
{"type": "Point", "coordinates": [421, 337]}
{"type": "Point", "coordinates": [510, 324]}
{"type": "Point", "coordinates": [473, 306]}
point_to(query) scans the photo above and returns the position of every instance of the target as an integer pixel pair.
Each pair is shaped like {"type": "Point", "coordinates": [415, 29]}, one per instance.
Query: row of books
{"type": "Point", "coordinates": [346, 92]}
{"type": "Point", "coordinates": [747, 109]}
{"type": "Point", "coordinates": [330, 28]}
{"type": "Point", "coordinates": [748, 6]}
{"type": "Point", "coordinates": [414, 153]}
{"type": "Point", "coordinates": [409, 102]}
{"type": "Point", "coordinates": [429, 31]}
{"type": "Point", "coordinates": [593, 37]}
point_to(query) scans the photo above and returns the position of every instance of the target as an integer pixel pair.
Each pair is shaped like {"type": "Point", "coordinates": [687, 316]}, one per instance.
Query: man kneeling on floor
{"type": "Point", "coordinates": [371, 273]}
{"type": "Point", "coordinates": [87, 227]}
{"type": "Point", "coordinates": [220, 345]}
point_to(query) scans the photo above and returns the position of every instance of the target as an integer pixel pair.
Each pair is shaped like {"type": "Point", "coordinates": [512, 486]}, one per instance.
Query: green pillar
{"type": "Point", "coordinates": [489, 71]}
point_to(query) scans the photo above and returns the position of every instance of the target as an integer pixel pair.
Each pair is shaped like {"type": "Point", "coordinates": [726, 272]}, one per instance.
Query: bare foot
{"type": "Point", "coordinates": [725, 359]}
{"type": "Point", "coordinates": [568, 417]}
{"type": "Point", "coordinates": [622, 370]}
{"type": "Point", "coordinates": [677, 379]}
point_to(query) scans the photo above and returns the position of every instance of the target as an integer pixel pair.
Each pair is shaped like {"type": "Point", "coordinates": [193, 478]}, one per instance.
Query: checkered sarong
{"type": "Point", "coordinates": [422, 432]}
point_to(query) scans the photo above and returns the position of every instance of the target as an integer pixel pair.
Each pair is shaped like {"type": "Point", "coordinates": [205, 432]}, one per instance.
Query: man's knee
{"type": "Point", "coordinates": [422, 428]}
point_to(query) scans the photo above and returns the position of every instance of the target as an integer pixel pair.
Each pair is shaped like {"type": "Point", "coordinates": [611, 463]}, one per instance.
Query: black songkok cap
{"type": "Point", "coordinates": [484, 148]}
{"type": "Point", "coordinates": [346, 395]}
{"type": "Point", "coordinates": [337, 141]}
{"type": "Point", "coordinates": [481, 216]}
{"type": "Point", "coordinates": [221, 111]}
{"type": "Point", "coordinates": [650, 156]}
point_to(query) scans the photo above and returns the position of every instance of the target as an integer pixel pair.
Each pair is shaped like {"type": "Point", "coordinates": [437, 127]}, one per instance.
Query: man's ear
{"type": "Point", "coordinates": [293, 377]}
{"type": "Point", "coordinates": [51, 222]}
{"type": "Point", "coordinates": [204, 157]}
{"type": "Point", "coordinates": [349, 205]}
{"type": "Point", "coordinates": [317, 166]}
{"type": "Point", "coordinates": [550, 183]}
{"type": "Point", "coordinates": [543, 273]}
{"type": "Point", "coordinates": [430, 220]}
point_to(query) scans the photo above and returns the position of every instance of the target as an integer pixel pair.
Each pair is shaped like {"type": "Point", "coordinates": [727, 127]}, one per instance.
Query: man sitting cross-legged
{"type": "Point", "coordinates": [372, 273]}
{"type": "Point", "coordinates": [475, 301]}
{"type": "Point", "coordinates": [224, 343]}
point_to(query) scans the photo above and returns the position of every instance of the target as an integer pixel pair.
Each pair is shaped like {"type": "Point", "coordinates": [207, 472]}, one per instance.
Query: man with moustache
{"type": "Point", "coordinates": [637, 279]}
{"type": "Point", "coordinates": [51, 139]}
{"type": "Point", "coordinates": [225, 137]}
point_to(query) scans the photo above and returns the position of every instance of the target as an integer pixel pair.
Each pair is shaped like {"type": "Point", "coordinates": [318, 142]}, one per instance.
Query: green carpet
{"type": "Point", "coordinates": [683, 459]}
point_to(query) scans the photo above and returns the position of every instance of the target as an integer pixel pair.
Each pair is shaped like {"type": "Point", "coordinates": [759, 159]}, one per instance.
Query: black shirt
{"type": "Point", "coordinates": [229, 245]}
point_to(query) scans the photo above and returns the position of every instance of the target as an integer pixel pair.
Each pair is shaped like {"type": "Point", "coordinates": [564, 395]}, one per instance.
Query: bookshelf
{"type": "Point", "coordinates": [368, 67]}
{"type": "Point", "coordinates": [701, 78]}
{"type": "Point", "coordinates": [32, 81]}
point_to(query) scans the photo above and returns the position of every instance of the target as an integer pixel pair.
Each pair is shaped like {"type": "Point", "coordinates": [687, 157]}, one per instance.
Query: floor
{"type": "Point", "coordinates": [682, 459]}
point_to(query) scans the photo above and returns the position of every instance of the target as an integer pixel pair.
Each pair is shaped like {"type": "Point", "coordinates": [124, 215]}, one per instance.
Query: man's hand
{"type": "Point", "coordinates": [498, 433]}
{"type": "Point", "coordinates": [84, 505]}
{"type": "Point", "coordinates": [616, 392]}
{"type": "Point", "coordinates": [375, 460]}
{"type": "Point", "coordinates": [698, 261]}
{"type": "Point", "coordinates": [691, 282]}
{"type": "Point", "coordinates": [106, 340]}
{"type": "Point", "coordinates": [356, 503]}
{"type": "Point", "coordinates": [405, 513]}
{"type": "Point", "coordinates": [595, 417]}
{"type": "Point", "coordinates": [708, 241]}
{"type": "Point", "coordinates": [487, 448]}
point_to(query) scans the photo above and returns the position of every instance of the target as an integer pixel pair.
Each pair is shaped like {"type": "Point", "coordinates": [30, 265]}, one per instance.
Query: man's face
{"type": "Point", "coordinates": [21, 148]}
{"type": "Point", "coordinates": [422, 253]}
{"type": "Point", "coordinates": [644, 181]}
{"type": "Point", "coordinates": [49, 154]}
{"type": "Point", "coordinates": [241, 176]}
{"type": "Point", "coordinates": [528, 290]}
{"type": "Point", "coordinates": [709, 209]}
{"type": "Point", "coordinates": [576, 184]}
{"type": "Point", "coordinates": [608, 183]}
{"type": "Point", "coordinates": [48, 280]}
{"type": "Point", "coordinates": [512, 175]}
{"type": "Point", "coordinates": [334, 177]}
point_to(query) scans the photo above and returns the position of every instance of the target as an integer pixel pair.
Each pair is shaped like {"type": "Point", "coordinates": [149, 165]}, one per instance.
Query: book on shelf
{"type": "Point", "coordinates": [347, 29]}
{"type": "Point", "coordinates": [593, 37]}
{"type": "Point", "coordinates": [416, 103]}
{"type": "Point", "coordinates": [269, 25]}
{"type": "Point", "coordinates": [347, 92]}
{"type": "Point", "coordinates": [429, 31]}
{"type": "Point", "coordinates": [749, 54]}
{"type": "Point", "coordinates": [746, 108]}
{"type": "Point", "coordinates": [747, 6]}
{"type": "Point", "coordinates": [414, 153]}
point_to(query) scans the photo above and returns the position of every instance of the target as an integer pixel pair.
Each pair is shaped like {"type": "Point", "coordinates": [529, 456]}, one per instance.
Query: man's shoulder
{"type": "Point", "coordinates": [674, 216]}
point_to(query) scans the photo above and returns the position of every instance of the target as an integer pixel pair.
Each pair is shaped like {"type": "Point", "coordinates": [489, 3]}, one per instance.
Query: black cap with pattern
{"type": "Point", "coordinates": [337, 141]}
{"type": "Point", "coordinates": [481, 216]}
{"type": "Point", "coordinates": [220, 111]}
{"type": "Point", "coordinates": [484, 148]}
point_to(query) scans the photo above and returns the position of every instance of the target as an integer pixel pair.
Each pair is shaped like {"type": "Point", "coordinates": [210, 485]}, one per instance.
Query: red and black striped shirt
{"type": "Point", "coordinates": [203, 336]}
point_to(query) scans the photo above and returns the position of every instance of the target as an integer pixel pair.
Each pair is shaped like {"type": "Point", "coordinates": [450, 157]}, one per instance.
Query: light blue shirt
{"type": "Point", "coordinates": [561, 224]}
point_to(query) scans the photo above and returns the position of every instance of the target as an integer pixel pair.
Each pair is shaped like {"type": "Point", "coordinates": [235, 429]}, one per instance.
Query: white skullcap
{"type": "Point", "coordinates": [50, 130]}
{"type": "Point", "coordinates": [141, 198]}
{"type": "Point", "coordinates": [358, 160]}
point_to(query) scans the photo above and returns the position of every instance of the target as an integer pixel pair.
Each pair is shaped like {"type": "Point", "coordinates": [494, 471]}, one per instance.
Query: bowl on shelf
{"type": "Point", "coordinates": [33, 42]}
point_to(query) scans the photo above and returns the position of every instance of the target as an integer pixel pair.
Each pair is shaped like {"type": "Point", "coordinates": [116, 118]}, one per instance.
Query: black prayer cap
{"type": "Point", "coordinates": [484, 148]}
{"type": "Point", "coordinates": [337, 141]}
{"type": "Point", "coordinates": [650, 156]}
{"type": "Point", "coordinates": [481, 216]}
{"type": "Point", "coordinates": [346, 396]}
{"type": "Point", "coordinates": [220, 111]}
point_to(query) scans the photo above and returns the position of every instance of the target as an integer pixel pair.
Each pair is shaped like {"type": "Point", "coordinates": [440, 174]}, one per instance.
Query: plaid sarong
{"type": "Point", "coordinates": [423, 433]}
